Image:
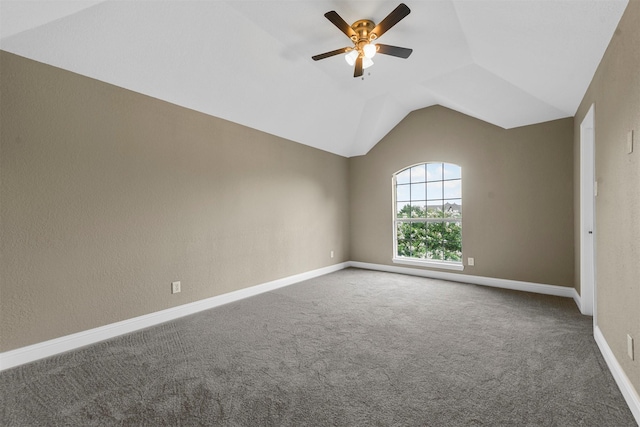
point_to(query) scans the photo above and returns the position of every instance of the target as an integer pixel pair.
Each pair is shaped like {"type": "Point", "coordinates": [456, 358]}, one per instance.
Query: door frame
{"type": "Point", "coordinates": [588, 189]}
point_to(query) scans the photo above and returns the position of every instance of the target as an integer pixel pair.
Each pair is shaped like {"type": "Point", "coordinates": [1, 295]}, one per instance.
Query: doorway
{"type": "Point", "coordinates": [588, 188]}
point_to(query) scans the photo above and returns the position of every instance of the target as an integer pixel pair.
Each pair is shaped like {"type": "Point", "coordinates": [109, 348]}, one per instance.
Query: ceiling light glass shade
{"type": "Point", "coordinates": [366, 63]}
{"type": "Point", "coordinates": [369, 50]}
{"type": "Point", "coordinates": [351, 57]}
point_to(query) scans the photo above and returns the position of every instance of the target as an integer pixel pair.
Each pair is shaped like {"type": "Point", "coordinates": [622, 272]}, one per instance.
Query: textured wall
{"type": "Point", "coordinates": [615, 91]}
{"type": "Point", "coordinates": [107, 196]}
{"type": "Point", "coordinates": [516, 186]}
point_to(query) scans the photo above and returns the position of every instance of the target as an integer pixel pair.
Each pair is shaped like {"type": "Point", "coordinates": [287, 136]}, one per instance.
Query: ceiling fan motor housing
{"type": "Point", "coordinates": [363, 34]}
{"type": "Point", "coordinates": [363, 28]}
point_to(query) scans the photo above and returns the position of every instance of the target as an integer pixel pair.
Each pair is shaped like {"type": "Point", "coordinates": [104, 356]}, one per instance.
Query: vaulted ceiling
{"type": "Point", "coordinates": [509, 63]}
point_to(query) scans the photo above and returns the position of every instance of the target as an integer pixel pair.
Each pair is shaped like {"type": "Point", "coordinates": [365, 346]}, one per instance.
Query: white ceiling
{"type": "Point", "coordinates": [510, 63]}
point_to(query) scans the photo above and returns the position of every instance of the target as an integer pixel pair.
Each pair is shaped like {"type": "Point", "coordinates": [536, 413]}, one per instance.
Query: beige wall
{"type": "Point", "coordinates": [516, 185]}
{"type": "Point", "coordinates": [107, 196]}
{"type": "Point", "coordinates": [615, 91]}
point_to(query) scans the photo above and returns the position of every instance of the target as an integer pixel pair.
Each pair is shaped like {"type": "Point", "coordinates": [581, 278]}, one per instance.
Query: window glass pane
{"type": "Point", "coordinates": [418, 192]}
{"type": "Point", "coordinates": [419, 239]}
{"type": "Point", "coordinates": [403, 209]}
{"type": "Point", "coordinates": [417, 242]}
{"type": "Point", "coordinates": [453, 208]}
{"type": "Point", "coordinates": [451, 171]}
{"type": "Point", "coordinates": [403, 177]}
{"type": "Point", "coordinates": [453, 189]}
{"type": "Point", "coordinates": [435, 253]}
{"type": "Point", "coordinates": [434, 171]}
{"type": "Point", "coordinates": [418, 231]}
{"type": "Point", "coordinates": [434, 190]}
{"type": "Point", "coordinates": [410, 247]}
{"type": "Point", "coordinates": [403, 230]}
{"type": "Point", "coordinates": [452, 241]}
{"type": "Point", "coordinates": [404, 248]}
{"type": "Point", "coordinates": [434, 209]}
{"type": "Point", "coordinates": [403, 192]}
{"type": "Point", "coordinates": [417, 173]}
{"type": "Point", "coordinates": [418, 209]}
{"type": "Point", "coordinates": [434, 241]}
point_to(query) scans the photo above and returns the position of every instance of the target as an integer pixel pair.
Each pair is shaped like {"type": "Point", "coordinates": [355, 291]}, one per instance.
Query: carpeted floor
{"type": "Point", "coordinates": [352, 348]}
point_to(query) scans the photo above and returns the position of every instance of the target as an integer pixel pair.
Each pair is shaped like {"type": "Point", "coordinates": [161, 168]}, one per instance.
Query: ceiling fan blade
{"type": "Point", "coordinates": [330, 54]}
{"type": "Point", "coordinates": [340, 23]}
{"type": "Point", "coordinates": [400, 52]}
{"type": "Point", "coordinates": [358, 70]}
{"type": "Point", "coordinates": [392, 19]}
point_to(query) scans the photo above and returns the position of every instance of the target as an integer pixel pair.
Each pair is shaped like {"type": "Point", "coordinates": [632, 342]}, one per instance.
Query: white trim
{"type": "Point", "coordinates": [428, 263]}
{"type": "Point", "coordinates": [587, 214]}
{"type": "Point", "coordinates": [628, 391]}
{"type": "Point", "coordinates": [55, 346]}
{"type": "Point", "coordinates": [576, 298]}
{"type": "Point", "coordinates": [561, 291]}
{"type": "Point", "coordinates": [20, 356]}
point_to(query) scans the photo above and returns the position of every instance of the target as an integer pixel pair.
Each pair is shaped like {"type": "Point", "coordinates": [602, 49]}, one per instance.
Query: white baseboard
{"type": "Point", "coordinates": [576, 298]}
{"type": "Point", "coordinates": [52, 347]}
{"type": "Point", "coordinates": [628, 391]}
{"type": "Point", "coordinates": [44, 349]}
{"type": "Point", "coordinates": [20, 356]}
{"type": "Point", "coordinates": [538, 288]}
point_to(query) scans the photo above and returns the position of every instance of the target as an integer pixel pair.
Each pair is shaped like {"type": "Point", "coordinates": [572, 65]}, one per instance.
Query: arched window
{"type": "Point", "coordinates": [427, 216]}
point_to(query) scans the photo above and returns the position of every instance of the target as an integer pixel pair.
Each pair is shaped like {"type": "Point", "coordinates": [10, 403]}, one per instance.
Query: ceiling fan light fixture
{"type": "Point", "coordinates": [366, 63]}
{"type": "Point", "coordinates": [351, 57]}
{"type": "Point", "coordinates": [369, 50]}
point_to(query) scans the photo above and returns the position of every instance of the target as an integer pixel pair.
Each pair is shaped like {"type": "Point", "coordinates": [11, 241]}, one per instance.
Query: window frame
{"type": "Point", "coordinates": [424, 262]}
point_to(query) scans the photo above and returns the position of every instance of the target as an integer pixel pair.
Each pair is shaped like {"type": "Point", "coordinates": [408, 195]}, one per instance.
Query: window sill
{"type": "Point", "coordinates": [432, 264]}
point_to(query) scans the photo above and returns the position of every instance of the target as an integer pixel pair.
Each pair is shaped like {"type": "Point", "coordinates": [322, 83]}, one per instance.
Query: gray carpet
{"type": "Point", "coordinates": [353, 348]}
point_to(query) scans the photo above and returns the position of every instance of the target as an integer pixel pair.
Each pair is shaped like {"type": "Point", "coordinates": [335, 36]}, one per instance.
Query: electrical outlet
{"type": "Point", "coordinates": [630, 346]}
{"type": "Point", "coordinates": [175, 287]}
{"type": "Point", "coordinates": [471, 261]}
{"type": "Point", "coordinates": [331, 254]}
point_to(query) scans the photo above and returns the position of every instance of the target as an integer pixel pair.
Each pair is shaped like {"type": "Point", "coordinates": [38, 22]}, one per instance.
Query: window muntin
{"type": "Point", "coordinates": [428, 213]}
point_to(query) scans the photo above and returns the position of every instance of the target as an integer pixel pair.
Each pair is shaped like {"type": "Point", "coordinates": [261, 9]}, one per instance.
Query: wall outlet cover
{"type": "Point", "coordinates": [175, 287]}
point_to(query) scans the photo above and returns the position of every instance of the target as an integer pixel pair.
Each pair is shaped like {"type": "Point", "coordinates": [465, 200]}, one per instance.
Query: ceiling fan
{"type": "Point", "coordinates": [362, 33]}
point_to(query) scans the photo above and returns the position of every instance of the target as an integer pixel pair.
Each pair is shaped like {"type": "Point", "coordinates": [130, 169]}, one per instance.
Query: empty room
{"type": "Point", "coordinates": [349, 213]}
